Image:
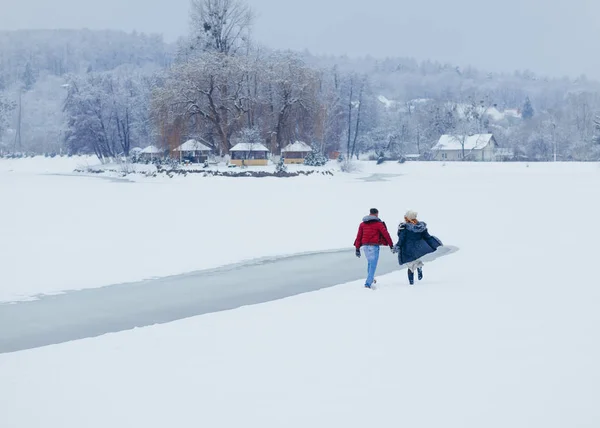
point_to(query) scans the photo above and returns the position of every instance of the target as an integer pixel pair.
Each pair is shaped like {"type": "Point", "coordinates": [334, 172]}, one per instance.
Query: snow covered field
{"type": "Point", "coordinates": [504, 333]}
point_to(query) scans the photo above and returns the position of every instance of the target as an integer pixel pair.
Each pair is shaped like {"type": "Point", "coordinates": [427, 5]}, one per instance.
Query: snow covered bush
{"type": "Point", "coordinates": [349, 166]}
{"type": "Point", "coordinates": [125, 167]}
{"type": "Point", "coordinates": [315, 159]}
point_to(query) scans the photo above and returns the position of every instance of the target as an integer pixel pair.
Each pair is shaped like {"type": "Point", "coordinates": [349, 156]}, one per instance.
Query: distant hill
{"type": "Point", "coordinates": [60, 52]}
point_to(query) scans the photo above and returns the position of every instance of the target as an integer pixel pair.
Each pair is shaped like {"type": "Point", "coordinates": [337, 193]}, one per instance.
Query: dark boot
{"type": "Point", "coordinates": [411, 277]}
{"type": "Point", "coordinates": [420, 273]}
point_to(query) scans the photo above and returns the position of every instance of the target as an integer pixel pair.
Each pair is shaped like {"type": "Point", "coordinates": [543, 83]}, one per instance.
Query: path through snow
{"type": "Point", "coordinates": [94, 312]}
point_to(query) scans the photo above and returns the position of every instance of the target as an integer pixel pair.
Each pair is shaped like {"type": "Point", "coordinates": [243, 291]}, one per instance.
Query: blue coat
{"type": "Point", "coordinates": [414, 241]}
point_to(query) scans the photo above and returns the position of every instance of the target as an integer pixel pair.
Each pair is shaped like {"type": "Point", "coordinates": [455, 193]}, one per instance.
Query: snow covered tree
{"type": "Point", "coordinates": [28, 77]}
{"type": "Point", "coordinates": [281, 166]}
{"type": "Point", "coordinates": [6, 108]}
{"type": "Point", "coordinates": [527, 109]}
{"type": "Point", "coordinates": [290, 86]}
{"type": "Point", "coordinates": [107, 113]}
{"type": "Point", "coordinates": [211, 86]}
{"type": "Point", "coordinates": [315, 159]}
{"type": "Point", "coordinates": [361, 115]}
{"type": "Point", "coordinates": [249, 136]}
{"type": "Point", "coordinates": [467, 123]}
{"type": "Point", "coordinates": [221, 26]}
{"type": "Point", "coordinates": [329, 114]}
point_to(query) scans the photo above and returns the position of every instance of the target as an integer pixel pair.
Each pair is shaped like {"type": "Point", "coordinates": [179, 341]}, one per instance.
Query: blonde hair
{"type": "Point", "coordinates": [411, 215]}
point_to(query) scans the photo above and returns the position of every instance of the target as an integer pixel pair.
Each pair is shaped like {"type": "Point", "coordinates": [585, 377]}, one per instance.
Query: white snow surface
{"type": "Point", "coordinates": [193, 146]}
{"type": "Point", "coordinates": [504, 333]}
{"type": "Point", "coordinates": [152, 150]}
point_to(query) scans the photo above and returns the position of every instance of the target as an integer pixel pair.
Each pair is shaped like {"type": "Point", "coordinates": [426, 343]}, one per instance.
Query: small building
{"type": "Point", "coordinates": [296, 152]}
{"type": "Point", "coordinates": [249, 154]}
{"type": "Point", "coordinates": [151, 153]}
{"type": "Point", "coordinates": [504, 154]}
{"type": "Point", "coordinates": [193, 151]}
{"type": "Point", "coordinates": [477, 147]}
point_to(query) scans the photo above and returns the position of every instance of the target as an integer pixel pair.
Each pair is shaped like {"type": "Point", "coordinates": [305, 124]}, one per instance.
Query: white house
{"type": "Point", "coordinates": [477, 147]}
{"type": "Point", "coordinates": [249, 154]}
{"type": "Point", "coordinates": [295, 152]}
{"type": "Point", "coordinates": [194, 150]}
{"type": "Point", "coordinates": [151, 153]}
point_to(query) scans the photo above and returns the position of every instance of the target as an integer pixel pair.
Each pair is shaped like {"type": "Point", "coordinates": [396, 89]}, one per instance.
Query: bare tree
{"type": "Point", "coordinates": [212, 86]}
{"type": "Point", "coordinates": [358, 111]}
{"type": "Point", "coordinates": [222, 26]}
{"type": "Point", "coordinates": [354, 120]}
{"type": "Point", "coordinates": [18, 143]}
{"type": "Point", "coordinates": [6, 108]}
{"type": "Point", "coordinates": [329, 117]}
{"type": "Point", "coordinates": [290, 85]}
{"type": "Point", "coordinates": [467, 124]}
{"type": "Point", "coordinates": [350, 107]}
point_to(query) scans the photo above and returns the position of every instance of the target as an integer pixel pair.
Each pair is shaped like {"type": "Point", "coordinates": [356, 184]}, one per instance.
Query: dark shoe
{"type": "Point", "coordinates": [420, 274]}
{"type": "Point", "coordinates": [411, 277]}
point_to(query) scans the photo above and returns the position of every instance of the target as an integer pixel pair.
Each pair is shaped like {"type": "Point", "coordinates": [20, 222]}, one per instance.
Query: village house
{"type": "Point", "coordinates": [193, 151]}
{"type": "Point", "coordinates": [248, 154]}
{"type": "Point", "coordinates": [296, 152]}
{"type": "Point", "coordinates": [151, 153]}
{"type": "Point", "coordinates": [477, 147]}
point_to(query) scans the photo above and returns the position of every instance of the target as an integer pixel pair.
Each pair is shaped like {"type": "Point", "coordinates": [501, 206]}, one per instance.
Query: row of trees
{"type": "Point", "coordinates": [36, 67]}
{"type": "Point", "coordinates": [227, 90]}
{"type": "Point", "coordinates": [77, 89]}
{"type": "Point", "coordinates": [224, 89]}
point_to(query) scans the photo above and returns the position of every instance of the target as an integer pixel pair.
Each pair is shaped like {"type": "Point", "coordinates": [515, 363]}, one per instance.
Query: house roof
{"type": "Point", "coordinates": [472, 142]}
{"type": "Point", "coordinates": [192, 146]}
{"type": "Point", "coordinates": [136, 150]}
{"type": "Point", "coordinates": [297, 147]}
{"type": "Point", "coordinates": [151, 150]}
{"type": "Point", "coordinates": [249, 147]}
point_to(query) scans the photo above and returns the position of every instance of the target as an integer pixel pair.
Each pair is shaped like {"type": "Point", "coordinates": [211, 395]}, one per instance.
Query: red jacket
{"type": "Point", "coordinates": [372, 231]}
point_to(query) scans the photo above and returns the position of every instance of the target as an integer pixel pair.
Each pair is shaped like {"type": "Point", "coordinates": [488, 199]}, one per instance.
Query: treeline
{"type": "Point", "coordinates": [106, 92]}
{"type": "Point", "coordinates": [36, 66]}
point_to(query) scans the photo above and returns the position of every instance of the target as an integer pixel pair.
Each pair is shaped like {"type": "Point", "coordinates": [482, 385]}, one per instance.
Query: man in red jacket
{"type": "Point", "coordinates": [372, 233]}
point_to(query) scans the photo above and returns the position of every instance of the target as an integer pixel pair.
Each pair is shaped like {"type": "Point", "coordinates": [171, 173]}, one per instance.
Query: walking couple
{"type": "Point", "coordinates": [414, 242]}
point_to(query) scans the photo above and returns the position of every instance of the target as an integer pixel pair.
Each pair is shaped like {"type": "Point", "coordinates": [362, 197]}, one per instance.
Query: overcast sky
{"type": "Point", "coordinates": [554, 37]}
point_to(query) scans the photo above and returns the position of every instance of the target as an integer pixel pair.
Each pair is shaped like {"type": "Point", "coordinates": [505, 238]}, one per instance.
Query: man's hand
{"type": "Point", "coordinates": [357, 253]}
{"type": "Point", "coordinates": [394, 250]}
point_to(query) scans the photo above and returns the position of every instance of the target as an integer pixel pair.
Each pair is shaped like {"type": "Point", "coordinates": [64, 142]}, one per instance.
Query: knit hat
{"type": "Point", "coordinates": [411, 215]}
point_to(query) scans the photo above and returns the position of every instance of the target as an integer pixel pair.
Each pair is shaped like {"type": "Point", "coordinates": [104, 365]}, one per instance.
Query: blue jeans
{"type": "Point", "coordinates": [372, 256]}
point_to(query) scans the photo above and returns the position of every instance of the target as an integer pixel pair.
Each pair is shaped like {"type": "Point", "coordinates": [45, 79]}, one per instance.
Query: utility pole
{"type": "Point", "coordinates": [18, 133]}
{"type": "Point", "coordinates": [554, 139]}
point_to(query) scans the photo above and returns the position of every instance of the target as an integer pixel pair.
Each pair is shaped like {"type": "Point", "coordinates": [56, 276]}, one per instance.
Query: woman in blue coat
{"type": "Point", "coordinates": [414, 241]}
